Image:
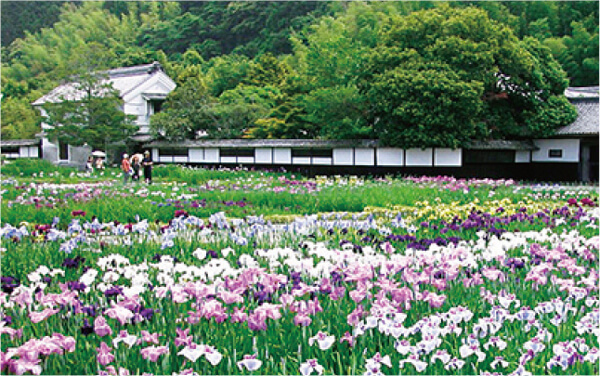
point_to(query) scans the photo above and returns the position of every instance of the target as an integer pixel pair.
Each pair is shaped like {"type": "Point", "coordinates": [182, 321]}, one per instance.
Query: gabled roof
{"type": "Point", "coordinates": [586, 100]}
{"type": "Point", "coordinates": [124, 80]}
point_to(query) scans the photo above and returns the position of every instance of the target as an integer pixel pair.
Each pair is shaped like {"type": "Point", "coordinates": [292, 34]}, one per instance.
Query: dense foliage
{"type": "Point", "coordinates": [294, 69]}
{"type": "Point", "coordinates": [446, 76]}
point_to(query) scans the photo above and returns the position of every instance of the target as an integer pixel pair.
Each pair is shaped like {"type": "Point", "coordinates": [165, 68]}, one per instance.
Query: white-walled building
{"type": "Point", "coordinates": [143, 89]}
{"type": "Point", "coordinates": [572, 154]}
{"type": "Point", "coordinates": [573, 151]}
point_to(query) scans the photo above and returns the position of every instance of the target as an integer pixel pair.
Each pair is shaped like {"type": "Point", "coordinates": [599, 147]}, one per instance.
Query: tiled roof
{"type": "Point", "coordinates": [258, 143]}
{"type": "Point", "coordinates": [322, 144]}
{"type": "Point", "coordinates": [586, 100]}
{"type": "Point", "coordinates": [502, 145]}
{"type": "Point", "coordinates": [124, 80]}
{"type": "Point", "coordinates": [24, 142]}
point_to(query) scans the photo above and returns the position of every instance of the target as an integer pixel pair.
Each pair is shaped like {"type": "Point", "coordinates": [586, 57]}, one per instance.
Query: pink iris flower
{"type": "Point", "coordinates": [101, 328]}
{"type": "Point", "coordinates": [41, 316]}
{"type": "Point", "coordinates": [183, 337]}
{"type": "Point", "coordinates": [104, 356]}
{"type": "Point", "coordinates": [152, 353]}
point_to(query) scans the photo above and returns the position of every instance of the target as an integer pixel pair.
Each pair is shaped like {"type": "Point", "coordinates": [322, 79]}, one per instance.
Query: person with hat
{"type": "Point", "coordinates": [126, 168]}
{"type": "Point", "coordinates": [147, 164]}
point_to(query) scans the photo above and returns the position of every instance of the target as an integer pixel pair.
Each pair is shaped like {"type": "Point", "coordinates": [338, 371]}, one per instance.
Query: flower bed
{"type": "Point", "coordinates": [426, 278]}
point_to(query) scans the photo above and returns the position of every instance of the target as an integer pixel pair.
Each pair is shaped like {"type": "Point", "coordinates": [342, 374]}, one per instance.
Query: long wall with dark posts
{"type": "Point", "coordinates": [549, 160]}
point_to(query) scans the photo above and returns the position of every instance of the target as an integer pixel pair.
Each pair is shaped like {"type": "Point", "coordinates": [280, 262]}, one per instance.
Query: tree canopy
{"type": "Point", "coordinates": [92, 111]}
{"type": "Point", "coordinates": [446, 76]}
{"type": "Point", "coordinates": [320, 69]}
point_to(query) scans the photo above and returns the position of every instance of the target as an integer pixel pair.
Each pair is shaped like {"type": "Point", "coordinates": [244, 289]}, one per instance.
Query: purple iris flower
{"type": "Point", "coordinates": [147, 313]}
{"type": "Point", "coordinates": [86, 329]}
{"type": "Point", "coordinates": [113, 292]}
{"type": "Point", "coordinates": [89, 310]}
{"type": "Point", "coordinates": [76, 285]}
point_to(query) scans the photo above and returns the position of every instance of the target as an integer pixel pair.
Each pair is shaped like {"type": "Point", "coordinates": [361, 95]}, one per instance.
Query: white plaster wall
{"type": "Point", "coordinates": [569, 147]}
{"type": "Point", "coordinates": [196, 155]}
{"type": "Point", "coordinates": [390, 157]}
{"type": "Point", "coordinates": [49, 150]}
{"type": "Point", "coordinates": [165, 159]}
{"type": "Point", "coordinates": [322, 161]}
{"type": "Point", "coordinates": [419, 157]}
{"type": "Point", "coordinates": [136, 107]}
{"type": "Point", "coordinates": [31, 152]}
{"type": "Point", "coordinates": [301, 160]}
{"type": "Point", "coordinates": [343, 157]}
{"type": "Point", "coordinates": [263, 155]}
{"type": "Point", "coordinates": [155, 154]}
{"type": "Point", "coordinates": [282, 155]}
{"type": "Point", "coordinates": [34, 151]}
{"type": "Point", "coordinates": [228, 160]}
{"type": "Point", "coordinates": [522, 156]}
{"type": "Point", "coordinates": [364, 157]}
{"type": "Point", "coordinates": [246, 160]}
{"type": "Point", "coordinates": [180, 159]}
{"type": "Point", "coordinates": [448, 157]}
{"type": "Point", "coordinates": [211, 155]}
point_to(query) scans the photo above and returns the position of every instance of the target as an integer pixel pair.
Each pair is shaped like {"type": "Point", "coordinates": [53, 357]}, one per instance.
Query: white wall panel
{"type": "Point", "coordinates": [180, 159]}
{"type": "Point", "coordinates": [247, 160]}
{"type": "Point", "coordinates": [322, 161]}
{"type": "Point", "coordinates": [165, 159]}
{"type": "Point", "coordinates": [263, 155]}
{"type": "Point", "coordinates": [282, 156]}
{"type": "Point", "coordinates": [34, 152]}
{"type": "Point", "coordinates": [155, 154]}
{"type": "Point", "coordinates": [569, 147]}
{"type": "Point", "coordinates": [419, 157]}
{"type": "Point", "coordinates": [196, 155]}
{"type": "Point", "coordinates": [211, 155]}
{"type": "Point", "coordinates": [390, 157]}
{"type": "Point", "coordinates": [301, 160]}
{"type": "Point", "coordinates": [522, 156]}
{"type": "Point", "coordinates": [228, 160]}
{"type": "Point", "coordinates": [447, 157]}
{"type": "Point", "coordinates": [364, 157]}
{"type": "Point", "coordinates": [343, 157]}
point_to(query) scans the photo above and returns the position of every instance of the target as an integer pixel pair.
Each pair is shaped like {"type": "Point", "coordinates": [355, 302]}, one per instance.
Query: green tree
{"type": "Point", "coordinates": [337, 112]}
{"type": "Point", "coordinates": [187, 110]}
{"type": "Point", "coordinates": [581, 58]}
{"type": "Point", "coordinates": [266, 70]}
{"type": "Point", "coordinates": [445, 76]}
{"type": "Point", "coordinates": [226, 72]}
{"type": "Point", "coordinates": [19, 119]}
{"type": "Point", "coordinates": [91, 110]}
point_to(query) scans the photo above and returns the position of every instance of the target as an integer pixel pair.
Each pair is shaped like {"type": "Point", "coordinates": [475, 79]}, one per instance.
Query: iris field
{"type": "Point", "coordinates": [248, 272]}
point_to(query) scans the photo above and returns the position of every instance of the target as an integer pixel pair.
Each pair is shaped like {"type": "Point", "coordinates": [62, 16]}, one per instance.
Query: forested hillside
{"type": "Point", "coordinates": [477, 70]}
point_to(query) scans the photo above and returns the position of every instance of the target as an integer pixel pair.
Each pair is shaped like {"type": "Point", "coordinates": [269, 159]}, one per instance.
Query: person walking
{"type": "Point", "coordinates": [147, 164]}
{"type": "Point", "coordinates": [89, 165]}
{"type": "Point", "coordinates": [126, 168]}
{"type": "Point", "coordinates": [136, 161]}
